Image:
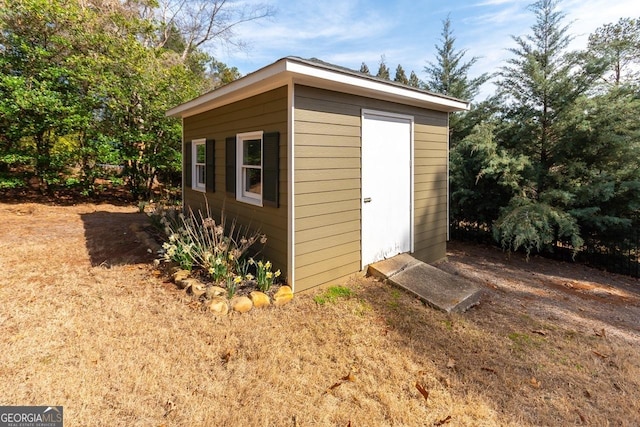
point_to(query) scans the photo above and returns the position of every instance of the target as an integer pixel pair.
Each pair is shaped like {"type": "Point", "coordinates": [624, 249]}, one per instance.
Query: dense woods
{"type": "Point", "coordinates": [551, 157]}
{"type": "Point", "coordinates": [554, 155]}
{"type": "Point", "coordinates": [85, 83]}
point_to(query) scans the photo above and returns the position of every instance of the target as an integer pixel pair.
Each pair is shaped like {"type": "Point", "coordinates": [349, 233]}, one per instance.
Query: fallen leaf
{"type": "Point", "coordinates": [424, 392]}
{"type": "Point", "coordinates": [603, 356]}
{"type": "Point", "coordinates": [534, 382]}
{"type": "Point", "coordinates": [225, 357]}
{"type": "Point", "coordinates": [582, 418]}
{"type": "Point", "coordinates": [348, 377]}
{"type": "Point", "coordinates": [443, 421]}
{"type": "Point", "coordinates": [540, 332]}
{"type": "Point", "coordinates": [451, 363]}
{"type": "Point", "coordinates": [601, 333]}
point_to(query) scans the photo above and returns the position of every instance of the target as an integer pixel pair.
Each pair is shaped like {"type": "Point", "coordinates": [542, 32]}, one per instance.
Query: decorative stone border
{"type": "Point", "coordinates": [215, 300]}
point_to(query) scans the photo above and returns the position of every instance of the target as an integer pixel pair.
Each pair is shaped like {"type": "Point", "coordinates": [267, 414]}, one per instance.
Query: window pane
{"type": "Point", "coordinates": [200, 150]}
{"type": "Point", "coordinates": [200, 173]}
{"type": "Point", "coordinates": [252, 154]}
{"type": "Point", "coordinates": [253, 181]}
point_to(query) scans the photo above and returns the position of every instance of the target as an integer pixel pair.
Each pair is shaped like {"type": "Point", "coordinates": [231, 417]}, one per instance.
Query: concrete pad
{"type": "Point", "coordinates": [392, 266]}
{"type": "Point", "coordinates": [435, 287]}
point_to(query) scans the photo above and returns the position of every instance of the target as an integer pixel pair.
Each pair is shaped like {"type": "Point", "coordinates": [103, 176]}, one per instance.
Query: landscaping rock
{"type": "Point", "coordinates": [179, 277]}
{"type": "Point", "coordinates": [259, 299]}
{"type": "Point", "coordinates": [241, 304]}
{"type": "Point", "coordinates": [215, 291]}
{"type": "Point", "coordinates": [172, 267]}
{"type": "Point", "coordinates": [187, 283]}
{"type": "Point", "coordinates": [219, 306]}
{"type": "Point", "coordinates": [196, 287]}
{"type": "Point", "coordinates": [282, 296]}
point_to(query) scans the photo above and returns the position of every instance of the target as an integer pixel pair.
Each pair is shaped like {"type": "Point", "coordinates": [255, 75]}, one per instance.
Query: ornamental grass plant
{"type": "Point", "coordinates": [218, 250]}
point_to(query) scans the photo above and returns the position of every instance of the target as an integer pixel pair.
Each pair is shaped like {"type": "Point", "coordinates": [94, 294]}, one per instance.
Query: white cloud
{"type": "Point", "coordinates": [348, 32]}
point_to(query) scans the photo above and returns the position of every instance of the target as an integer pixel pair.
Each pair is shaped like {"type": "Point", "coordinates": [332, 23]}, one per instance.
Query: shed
{"type": "Point", "coordinates": [339, 169]}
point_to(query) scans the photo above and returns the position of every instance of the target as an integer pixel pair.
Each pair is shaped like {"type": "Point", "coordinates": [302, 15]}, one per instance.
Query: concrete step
{"type": "Point", "coordinates": [435, 287]}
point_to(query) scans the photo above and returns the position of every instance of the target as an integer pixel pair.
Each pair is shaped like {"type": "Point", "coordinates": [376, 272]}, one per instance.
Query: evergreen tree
{"type": "Point", "coordinates": [364, 69]}
{"type": "Point", "coordinates": [401, 76]}
{"type": "Point", "coordinates": [619, 46]}
{"type": "Point", "coordinates": [473, 189]}
{"type": "Point", "coordinates": [601, 171]}
{"type": "Point", "coordinates": [449, 75]}
{"type": "Point", "coordinates": [221, 74]}
{"type": "Point", "coordinates": [383, 70]}
{"type": "Point", "coordinates": [414, 81]}
{"type": "Point", "coordinates": [541, 85]}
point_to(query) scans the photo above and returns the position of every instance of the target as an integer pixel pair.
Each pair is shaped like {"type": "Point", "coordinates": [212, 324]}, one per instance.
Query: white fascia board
{"type": "Point", "coordinates": [265, 79]}
{"type": "Point", "coordinates": [281, 72]}
{"type": "Point", "coordinates": [373, 88]}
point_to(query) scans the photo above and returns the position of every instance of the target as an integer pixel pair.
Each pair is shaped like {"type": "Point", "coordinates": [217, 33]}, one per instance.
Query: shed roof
{"type": "Point", "coordinates": [316, 73]}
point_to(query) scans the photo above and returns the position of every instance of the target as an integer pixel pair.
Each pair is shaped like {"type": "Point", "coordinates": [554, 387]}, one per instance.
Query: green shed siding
{"type": "Point", "coordinates": [264, 112]}
{"type": "Point", "coordinates": [327, 135]}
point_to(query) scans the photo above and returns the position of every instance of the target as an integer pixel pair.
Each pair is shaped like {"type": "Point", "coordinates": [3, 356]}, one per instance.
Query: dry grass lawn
{"type": "Point", "coordinates": [85, 323]}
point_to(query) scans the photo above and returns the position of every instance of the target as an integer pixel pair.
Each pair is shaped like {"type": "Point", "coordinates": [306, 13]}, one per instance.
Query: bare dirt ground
{"type": "Point", "coordinates": [87, 323]}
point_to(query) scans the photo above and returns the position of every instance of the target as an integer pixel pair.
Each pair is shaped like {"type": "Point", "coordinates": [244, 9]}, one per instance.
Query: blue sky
{"type": "Point", "coordinates": [348, 32]}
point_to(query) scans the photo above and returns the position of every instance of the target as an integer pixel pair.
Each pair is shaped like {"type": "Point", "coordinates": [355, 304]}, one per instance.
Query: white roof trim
{"type": "Point", "coordinates": [316, 75]}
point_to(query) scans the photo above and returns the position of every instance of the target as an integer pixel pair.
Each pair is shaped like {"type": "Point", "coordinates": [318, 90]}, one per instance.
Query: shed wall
{"type": "Point", "coordinates": [327, 131]}
{"type": "Point", "coordinates": [266, 112]}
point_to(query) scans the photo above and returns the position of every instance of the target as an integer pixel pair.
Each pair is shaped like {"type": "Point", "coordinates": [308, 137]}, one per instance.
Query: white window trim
{"type": "Point", "coordinates": [195, 185]}
{"type": "Point", "coordinates": [241, 195]}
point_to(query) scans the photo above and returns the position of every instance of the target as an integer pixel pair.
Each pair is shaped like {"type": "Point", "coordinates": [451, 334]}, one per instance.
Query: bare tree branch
{"type": "Point", "coordinates": [198, 22]}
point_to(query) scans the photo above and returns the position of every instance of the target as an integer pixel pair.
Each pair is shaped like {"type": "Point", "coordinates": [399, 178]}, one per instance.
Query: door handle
{"type": "Point", "coordinates": [367, 199]}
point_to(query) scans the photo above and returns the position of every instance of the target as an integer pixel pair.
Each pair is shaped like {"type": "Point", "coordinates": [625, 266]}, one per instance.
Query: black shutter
{"type": "Point", "coordinates": [270, 168]}
{"type": "Point", "coordinates": [230, 164]}
{"type": "Point", "coordinates": [210, 165]}
{"type": "Point", "coordinates": [187, 173]}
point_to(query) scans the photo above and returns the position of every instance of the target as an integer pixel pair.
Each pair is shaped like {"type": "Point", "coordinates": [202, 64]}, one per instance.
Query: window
{"type": "Point", "coordinates": [252, 169]}
{"type": "Point", "coordinates": [249, 167]}
{"type": "Point", "coordinates": [199, 151]}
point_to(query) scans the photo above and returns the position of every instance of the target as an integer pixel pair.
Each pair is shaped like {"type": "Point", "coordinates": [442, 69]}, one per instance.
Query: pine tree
{"type": "Point", "coordinates": [541, 85]}
{"type": "Point", "coordinates": [401, 76]}
{"type": "Point", "coordinates": [471, 183]}
{"type": "Point", "coordinates": [383, 70]}
{"type": "Point", "coordinates": [364, 69]}
{"type": "Point", "coordinates": [449, 75]}
{"type": "Point", "coordinates": [414, 81]}
{"type": "Point", "coordinates": [619, 46]}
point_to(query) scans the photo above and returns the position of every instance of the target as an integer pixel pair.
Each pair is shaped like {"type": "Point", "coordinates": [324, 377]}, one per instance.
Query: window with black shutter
{"type": "Point", "coordinates": [252, 167]}
{"type": "Point", "coordinates": [199, 164]}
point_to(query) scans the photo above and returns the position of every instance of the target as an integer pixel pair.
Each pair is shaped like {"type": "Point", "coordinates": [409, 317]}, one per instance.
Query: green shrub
{"type": "Point", "coordinates": [7, 182]}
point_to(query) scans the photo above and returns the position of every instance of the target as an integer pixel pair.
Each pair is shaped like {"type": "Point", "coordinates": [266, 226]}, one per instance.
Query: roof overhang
{"type": "Point", "coordinates": [320, 75]}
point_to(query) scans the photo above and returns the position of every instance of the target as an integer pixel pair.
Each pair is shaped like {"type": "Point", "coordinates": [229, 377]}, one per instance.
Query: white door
{"type": "Point", "coordinates": [387, 185]}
